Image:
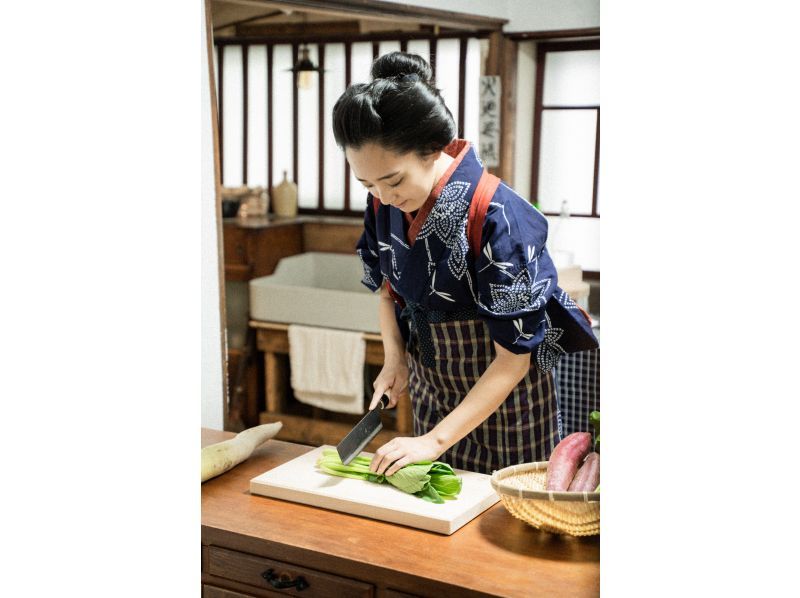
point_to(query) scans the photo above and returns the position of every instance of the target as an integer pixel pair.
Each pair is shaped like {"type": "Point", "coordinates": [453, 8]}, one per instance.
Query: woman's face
{"type": "Point", "coordinates": [400, 180]}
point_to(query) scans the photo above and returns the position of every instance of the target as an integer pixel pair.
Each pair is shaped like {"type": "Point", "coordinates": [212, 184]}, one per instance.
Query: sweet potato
{"type": "Point", "coordinates": [566, 457]}
{"type": "Point", "coordinates": [588, 476]}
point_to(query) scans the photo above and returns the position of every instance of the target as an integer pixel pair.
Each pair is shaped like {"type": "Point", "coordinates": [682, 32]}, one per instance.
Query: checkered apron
{"type": "Point", "coordinates": [577, 377]}
{"type": "Point", "coordinates": [447, 353]}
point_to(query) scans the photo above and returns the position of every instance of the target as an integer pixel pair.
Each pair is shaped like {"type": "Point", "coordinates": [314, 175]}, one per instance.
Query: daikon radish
{"type": "Point", "coordinates": [222, 456]}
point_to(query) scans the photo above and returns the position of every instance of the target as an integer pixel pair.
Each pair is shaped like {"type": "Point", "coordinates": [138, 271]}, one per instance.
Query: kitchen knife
{"type": "Point", "coordinates": [363, 432]}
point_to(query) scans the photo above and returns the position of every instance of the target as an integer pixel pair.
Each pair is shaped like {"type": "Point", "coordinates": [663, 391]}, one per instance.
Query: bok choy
{"type": "Point", "coordinates": [433, 481]}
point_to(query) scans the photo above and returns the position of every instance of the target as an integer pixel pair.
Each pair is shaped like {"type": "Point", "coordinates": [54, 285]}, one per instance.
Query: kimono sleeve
{"type": "Point", "coordinates": [515, 275]}
{"type": "Point", "coordinates": [367, 250]}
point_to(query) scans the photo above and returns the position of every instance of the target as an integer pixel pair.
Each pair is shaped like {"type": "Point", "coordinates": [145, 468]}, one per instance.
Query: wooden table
{"type": "Point", "coordinates": [340, 555]}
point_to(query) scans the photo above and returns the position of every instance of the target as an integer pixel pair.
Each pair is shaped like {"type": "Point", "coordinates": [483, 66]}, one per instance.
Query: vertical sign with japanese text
{"type": "Point", "coordinates": [489, 121]}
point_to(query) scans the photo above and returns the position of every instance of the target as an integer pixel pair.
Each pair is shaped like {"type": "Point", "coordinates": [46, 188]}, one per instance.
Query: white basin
{"type": "Point", "coordinates": [316, 289]}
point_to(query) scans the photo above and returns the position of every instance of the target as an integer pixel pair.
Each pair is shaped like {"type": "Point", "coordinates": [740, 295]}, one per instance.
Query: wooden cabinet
{"type": "Point", "coordinates": [250, 252]}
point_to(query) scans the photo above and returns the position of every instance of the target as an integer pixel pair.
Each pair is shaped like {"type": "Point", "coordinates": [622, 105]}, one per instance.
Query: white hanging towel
{"type": "Point", "coordinates": [327, 368]}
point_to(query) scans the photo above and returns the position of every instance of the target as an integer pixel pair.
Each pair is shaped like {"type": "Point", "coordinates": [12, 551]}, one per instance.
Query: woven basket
{"type": "Point", "coordinates": [522, 491]}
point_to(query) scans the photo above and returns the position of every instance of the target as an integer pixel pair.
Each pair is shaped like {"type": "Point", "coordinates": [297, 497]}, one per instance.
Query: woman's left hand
{"type": "Point", "coordinates": [399, 452]}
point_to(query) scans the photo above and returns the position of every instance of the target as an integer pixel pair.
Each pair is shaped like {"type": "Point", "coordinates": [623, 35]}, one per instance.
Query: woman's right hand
{"type": "Point", "coordinates": [392, 381]}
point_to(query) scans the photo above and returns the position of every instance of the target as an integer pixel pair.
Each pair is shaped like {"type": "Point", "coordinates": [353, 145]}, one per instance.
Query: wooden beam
{"type": "Point", "coordinates": [272, 13]}
{"type": "Point", "coordinates": [221, 68]}
{"type": "Point", "coordinates": [537, 123]}
{"type": "Point", "coordinates": [596, 164]}
{"type": "Point", "coordinates": [245, 49]}
{"type": "Point", "coordinates": [321, 125]}
{"type": "Point", "coordinates": [554, 34]}
{"type": "Point", "coordinates": [379, 9]}
{"type": "Point", "coordinates": [306, 30]}
{"type": "Point", "coordinates": [392, 36]}
{"type": "Point", "coordinates": [502, 61]}
{"type": "Point", "coordinates": [462, 83]}
{"type": "Point", "coordinates": [295, 155]}
{"type": "Point", "coordinates": [432, 57]}
{"type": "Point", "coordinates": [348, 73]}
{"type": "Point", "coordinates": [270, 131]}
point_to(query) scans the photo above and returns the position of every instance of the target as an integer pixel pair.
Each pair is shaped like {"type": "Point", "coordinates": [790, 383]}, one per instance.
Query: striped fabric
{"type": "Point", "coordinates": [522, 430]}
{"type": "Point", "coordinates": [577, 379]}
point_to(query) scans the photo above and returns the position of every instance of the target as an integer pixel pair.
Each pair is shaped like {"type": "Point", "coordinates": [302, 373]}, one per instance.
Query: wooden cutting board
{"type": "Point", "coordinates": [299, 480]}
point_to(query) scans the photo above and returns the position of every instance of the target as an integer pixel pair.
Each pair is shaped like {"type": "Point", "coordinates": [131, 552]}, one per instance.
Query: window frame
{"type": "Point", "coordinates": [541, 55]}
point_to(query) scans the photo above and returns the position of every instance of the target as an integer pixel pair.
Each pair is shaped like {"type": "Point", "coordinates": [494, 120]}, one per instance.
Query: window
{"type": "Point", "coordinates": [268, 126]}
{"type": "Point", "coordinates": [566, 151]}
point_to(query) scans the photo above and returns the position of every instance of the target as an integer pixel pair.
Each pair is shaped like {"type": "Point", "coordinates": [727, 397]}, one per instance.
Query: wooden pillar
{"type": "Point", "coordinates": [502, 60]}
{"type": "Point", "coordinates": [275, 382]}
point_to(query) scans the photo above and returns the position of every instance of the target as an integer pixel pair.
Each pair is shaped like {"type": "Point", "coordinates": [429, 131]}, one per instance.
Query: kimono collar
{"type": "Point", "coordinates": [457, 149]}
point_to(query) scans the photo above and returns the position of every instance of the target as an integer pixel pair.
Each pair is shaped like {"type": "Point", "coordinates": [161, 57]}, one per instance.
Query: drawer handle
{"type": "Point", "coordinates": [300, 583]}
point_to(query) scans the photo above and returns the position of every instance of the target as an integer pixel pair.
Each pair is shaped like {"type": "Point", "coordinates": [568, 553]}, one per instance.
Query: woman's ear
{"type": "Point", "coordinates": [429, 159]}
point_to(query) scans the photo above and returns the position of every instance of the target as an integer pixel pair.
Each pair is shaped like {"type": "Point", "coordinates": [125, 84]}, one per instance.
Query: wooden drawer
{"type": "Point", "coordinates": [235, 244]}
{"type": "Point", "coordinates": [215, 592]}
{"type": "Point", "coordinates": [254, 571]}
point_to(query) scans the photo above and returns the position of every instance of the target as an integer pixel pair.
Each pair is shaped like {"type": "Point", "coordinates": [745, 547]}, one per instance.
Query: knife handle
{"type": "Point", "coordinates": [384, 402]}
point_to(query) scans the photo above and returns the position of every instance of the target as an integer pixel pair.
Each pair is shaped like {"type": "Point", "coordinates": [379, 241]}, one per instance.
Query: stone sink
{"type": "Point", "coordinates": [316, 289]}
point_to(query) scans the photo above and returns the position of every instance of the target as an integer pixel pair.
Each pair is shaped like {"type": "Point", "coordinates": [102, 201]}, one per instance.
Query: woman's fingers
{"type": "Point", "coordinates": [397, 465]}
{"type": "Point", "coordinates": [388, 460]}
{"type": "Point", "coordinates": [380, 455]}
{"type": "Point", "coordinates": [380, 390]}
{"type": "Point", "coordinates": [392, 398]}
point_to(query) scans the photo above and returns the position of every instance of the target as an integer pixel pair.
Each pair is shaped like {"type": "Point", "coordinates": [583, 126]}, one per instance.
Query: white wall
{"type": "Point", "coordinates": [211, 390]}
{"type": "Point", "coordinates": [486, 8]}
{"type": "Point", "coordinates": [545, 15]}
{"type": "Point", "coordinates": [526, 15]}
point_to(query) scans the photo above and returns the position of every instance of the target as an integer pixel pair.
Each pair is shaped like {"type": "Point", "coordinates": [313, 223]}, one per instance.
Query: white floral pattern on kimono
{"type": "Point", "coordinates": [447, 220]}
{"type": "Point", "coordinates": [522, 294]}
{"type": "Point", "coordinates": [549, 351]}
{"type": "Point", "coordinates": [367, 279]}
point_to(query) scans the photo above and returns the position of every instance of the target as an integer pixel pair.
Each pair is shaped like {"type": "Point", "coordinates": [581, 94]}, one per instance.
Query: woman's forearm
{"type": "Point", "coordinates": [492, 388]}
{"type": "Point", "coordinates": [393, 345]}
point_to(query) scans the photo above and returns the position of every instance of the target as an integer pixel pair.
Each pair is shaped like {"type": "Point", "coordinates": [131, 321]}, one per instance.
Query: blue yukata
{"type": "Point", "coordinates": [453, 306]}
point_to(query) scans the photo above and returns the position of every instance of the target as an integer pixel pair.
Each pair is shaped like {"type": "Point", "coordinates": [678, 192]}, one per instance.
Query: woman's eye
{"type": "Point", "coordinates": [397, 183]}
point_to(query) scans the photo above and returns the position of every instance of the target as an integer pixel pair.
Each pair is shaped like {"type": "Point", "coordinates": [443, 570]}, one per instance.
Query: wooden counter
{"type": "Point", "coordinates": [245, 536]}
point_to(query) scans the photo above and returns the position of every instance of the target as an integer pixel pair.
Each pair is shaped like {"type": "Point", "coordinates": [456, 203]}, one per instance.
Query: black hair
{"type": "Point", "coordinates": [400, 109]}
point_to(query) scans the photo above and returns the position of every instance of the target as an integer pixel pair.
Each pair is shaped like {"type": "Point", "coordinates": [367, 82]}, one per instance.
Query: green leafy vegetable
{"type": "Point", "coordinates": [594, 420]}
{"type": "Point", "coordinates": [433, 481]}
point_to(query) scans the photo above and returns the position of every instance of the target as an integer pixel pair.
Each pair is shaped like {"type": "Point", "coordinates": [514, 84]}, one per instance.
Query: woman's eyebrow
{"type": "Point", "coordinates": [387, 176]}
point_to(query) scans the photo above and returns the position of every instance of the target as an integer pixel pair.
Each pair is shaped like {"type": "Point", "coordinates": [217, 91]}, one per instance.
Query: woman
{"type": "Point", "coordinates": [472, 336]}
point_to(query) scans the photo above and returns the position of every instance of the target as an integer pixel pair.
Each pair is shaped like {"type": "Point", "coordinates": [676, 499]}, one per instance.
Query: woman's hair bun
{"type": "Point", "coordinates": [399, 109]}
{"type": "Point", "coordinates": [401, 65]}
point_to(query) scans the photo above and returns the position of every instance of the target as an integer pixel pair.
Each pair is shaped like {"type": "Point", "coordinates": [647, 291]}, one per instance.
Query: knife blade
{"type": "Point", "coordinates": [363, 432]}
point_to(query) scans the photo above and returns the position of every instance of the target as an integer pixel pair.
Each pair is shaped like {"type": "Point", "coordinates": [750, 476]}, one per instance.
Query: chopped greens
{"type": "Point", "coordinates": [433, 481]}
